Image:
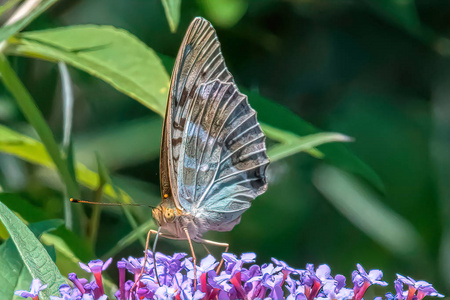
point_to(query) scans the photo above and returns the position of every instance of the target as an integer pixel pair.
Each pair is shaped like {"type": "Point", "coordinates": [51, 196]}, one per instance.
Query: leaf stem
{"type": "Point", "coordinates": [130, 238]}
{"type": "Point", "coordinates": [35, 118]}
{"type": "Point", "coordinates": [95, 217]}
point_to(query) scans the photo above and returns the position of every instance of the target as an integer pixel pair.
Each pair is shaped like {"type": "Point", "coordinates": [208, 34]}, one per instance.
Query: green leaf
{"type": "Point", "coordinates": [68, 43]}
{"type": "Point", "coordinates": [36, 119]}
{"type": "Point", "coordinates": [34, 214]}
{"type": "Point", "coordinates": [400, 12]}
{"type": "Point", "coordinates": [67, 146]}
{"type": "Point", "coordinates": [68, 261]}
{"type": "Point", "coordinates": [23, 206]}
{"type": "Point", "coordinates": [8, 30]}
{"type": "Point", "coordinates": [80, 247]}
{"type": "Point", "coordinates": [7, 6]}
{"type": "Point", "coordinates": [104, 175]}
{"type": "Point", "coordinates": [15, 276]}
{"type": "Point", "coordinates": [172, 10]}
{"type": "Point", "coordinates": [29, 149]}
{"type": "Point", "coordinates": [34, 116]}
{"type": "Point", "coordinates": [116, 142]}
{"type": "Point", "coordinates": [293, 144]}
{"type": "Point", "coordinates": [111, 54]}
{"type": "Point", "coordinates": [67, 99]}
{"type": "Point", "coordinates": [32, 252]}
{"type": "Point", "coordinates": [224, 13]}
{"type": "Point", "coordinates": [404, 14]}
{"type": "Point", "coordinates": [366, 211]}
{"type": "Point", "coordinates": [337, 154]}
{"type": "Point", "coordinates": [130, 238]}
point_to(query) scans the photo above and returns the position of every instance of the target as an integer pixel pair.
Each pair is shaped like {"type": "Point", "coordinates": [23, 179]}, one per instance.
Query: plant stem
{"type": "Point", "coordinates": [133, 223]}
{"type": "Point", "coordinates": [35, 118]}
{"type": "Point", "coordinates": [95, 217]}
{"type": "Point", "coordinates": [130, 238]}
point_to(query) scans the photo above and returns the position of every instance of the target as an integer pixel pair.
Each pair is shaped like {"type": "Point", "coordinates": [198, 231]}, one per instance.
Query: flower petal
{"type": "Point", "coordinates": [106, 264]}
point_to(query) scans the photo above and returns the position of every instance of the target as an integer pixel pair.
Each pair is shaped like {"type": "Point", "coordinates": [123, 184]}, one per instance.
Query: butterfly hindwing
{"type": "Point", "coordinates": [214, 147]}
{"type": "Point", "coordinates": [224, 159]}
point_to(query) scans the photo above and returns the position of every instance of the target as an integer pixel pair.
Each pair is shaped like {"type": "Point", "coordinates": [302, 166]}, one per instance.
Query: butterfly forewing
{"type": "Point", "coordinates": [213, 147]}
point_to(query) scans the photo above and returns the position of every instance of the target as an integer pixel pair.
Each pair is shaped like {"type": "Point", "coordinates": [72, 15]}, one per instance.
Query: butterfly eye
{"type": "Point", "coordinates": [169, 215]}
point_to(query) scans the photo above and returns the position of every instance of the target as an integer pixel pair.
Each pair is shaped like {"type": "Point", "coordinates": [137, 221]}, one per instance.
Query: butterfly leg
{"type": "Point", "coordinates": [206, 249]}
{"type": "Point", "coordinates": [225, 245]}
{"type": "Point", "coordinates": [194, 259]}
{"type": "Point", "coordinates": [145, 259]}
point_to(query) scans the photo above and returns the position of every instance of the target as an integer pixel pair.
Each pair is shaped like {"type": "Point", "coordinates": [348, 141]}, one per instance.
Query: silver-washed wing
{"type": "Point", "coordinates": [216, 150]}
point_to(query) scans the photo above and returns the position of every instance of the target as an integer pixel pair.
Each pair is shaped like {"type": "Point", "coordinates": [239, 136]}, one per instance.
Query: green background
{"type": "Point", "coordinates": [377, 71]}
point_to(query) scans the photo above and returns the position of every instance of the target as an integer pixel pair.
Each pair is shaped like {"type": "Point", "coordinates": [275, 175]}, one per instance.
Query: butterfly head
{"type": "Point", "coordinates": [166, 212]}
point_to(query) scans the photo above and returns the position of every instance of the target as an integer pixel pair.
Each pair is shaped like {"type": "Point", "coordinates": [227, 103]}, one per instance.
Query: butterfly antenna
{"type": "Point", "coordinates": [108, 204]}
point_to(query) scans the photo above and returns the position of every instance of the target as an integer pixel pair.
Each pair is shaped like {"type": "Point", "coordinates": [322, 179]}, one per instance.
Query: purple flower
{"type": "Point", "coordinates": [67, 293]}
{"type": "Point", "coordinates": [133, 266]}
{"type": "Point", "coordinates": [121, 265]}
{"type": "Point", "coordinates": [336, 289]}
{"type": "Point", "coordinates": [422, 288]}
{"type": "Point", "coordinates": [79, 283]}
{"type": "Point", "coordinates": [233, 264]}
{"type": "Point", "coordinates": [171, 263]}
{"type": "Point", "coordinates": [251, 272]}
{"type": "Point", "coordinates": [128, 285]}
{"type": "Point", "coordinates": [165, 293]}
{"type": "Point", "coordinates": [187, 295]}
{"type": "Point", "coordinates": [314, 280]}
{"type": "Point", "coordinates": [207, 264]}
{"type": "Point", "coordinates": [167, 266]}
{"type": "Point", "coordinates": [390, 296]}
{"type": "Point", "coordinates": [92, 289]}
{"type": "Point", "coordinates": [96, 267]}
{"type": "Point", "coordinates": [398, 285]}
{"type": "Point", "coordinates": [296, 290]}
{"type": "Point", "coordinates": [259, 286]}
{"type": "Point", "coordinates": [186, 290]}
{"type": "Point", "coordinates": [275, 281]}
{"type": "Point", "coordinates": [274, 284]}
{"type": "Point", "coordinates": [35, 288]}
{"type": "Point", "coordinates": [362, 281]}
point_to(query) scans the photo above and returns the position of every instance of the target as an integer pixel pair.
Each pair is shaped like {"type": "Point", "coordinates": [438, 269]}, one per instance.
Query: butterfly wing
{"type": "Point", "coordinates": [216, 150]}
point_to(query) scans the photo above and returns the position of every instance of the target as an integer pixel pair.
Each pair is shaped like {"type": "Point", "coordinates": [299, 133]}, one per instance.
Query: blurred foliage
{"type": "Point", "coordinates": [376, 71]}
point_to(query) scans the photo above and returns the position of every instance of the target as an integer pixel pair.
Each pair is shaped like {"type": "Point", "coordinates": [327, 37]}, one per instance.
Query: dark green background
{"type": "Point", "coordinates": [377, 71]}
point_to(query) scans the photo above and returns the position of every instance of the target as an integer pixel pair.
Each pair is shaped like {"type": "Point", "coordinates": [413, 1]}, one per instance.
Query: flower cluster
{"type": "Point", "coordinates": [178, 278]}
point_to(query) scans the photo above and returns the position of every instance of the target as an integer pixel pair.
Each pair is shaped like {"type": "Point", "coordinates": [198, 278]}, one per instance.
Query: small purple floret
{"type": "Point", "coordinates": [240, 278]}
{"type": "Point", "coordinates": [35, 288]}
{"type": "Point", "coordinates": [416, 289]}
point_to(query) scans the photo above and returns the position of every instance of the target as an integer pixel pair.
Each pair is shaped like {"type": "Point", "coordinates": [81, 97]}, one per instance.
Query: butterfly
{"type": "Point", "coordinates": [213, 156]}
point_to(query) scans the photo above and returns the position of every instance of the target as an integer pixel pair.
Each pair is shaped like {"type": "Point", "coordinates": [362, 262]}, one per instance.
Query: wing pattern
{"type": "Point", "coordinates": [224, 157]}
{"type": "Point", "coordinates": [216, 148]}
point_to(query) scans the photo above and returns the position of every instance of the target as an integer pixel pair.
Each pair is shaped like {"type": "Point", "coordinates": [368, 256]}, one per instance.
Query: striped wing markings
{"type": "Point", "coordinates": [216, 152]}
{"type": "Point", "coordinates": [213, 139]}
{"type": "Point", "coordinates": [194, 65]}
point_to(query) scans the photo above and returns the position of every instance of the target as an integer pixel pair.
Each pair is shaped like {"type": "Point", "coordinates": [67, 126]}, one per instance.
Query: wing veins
{"type": "Point", "coordinates": [220, 157]}
{"type": "Point", "coordinates": [241, 171]}
{"type": "Point", "coordinates": [242, 146]}
{"type": "Point", "coordinates": [202, 37]}
{"type": "Point", "coordinates": [229, 115]}
{"type": "Point", "coordinates": [236, 127]}
{"type": "Point", "coordinates": [207, 137]}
